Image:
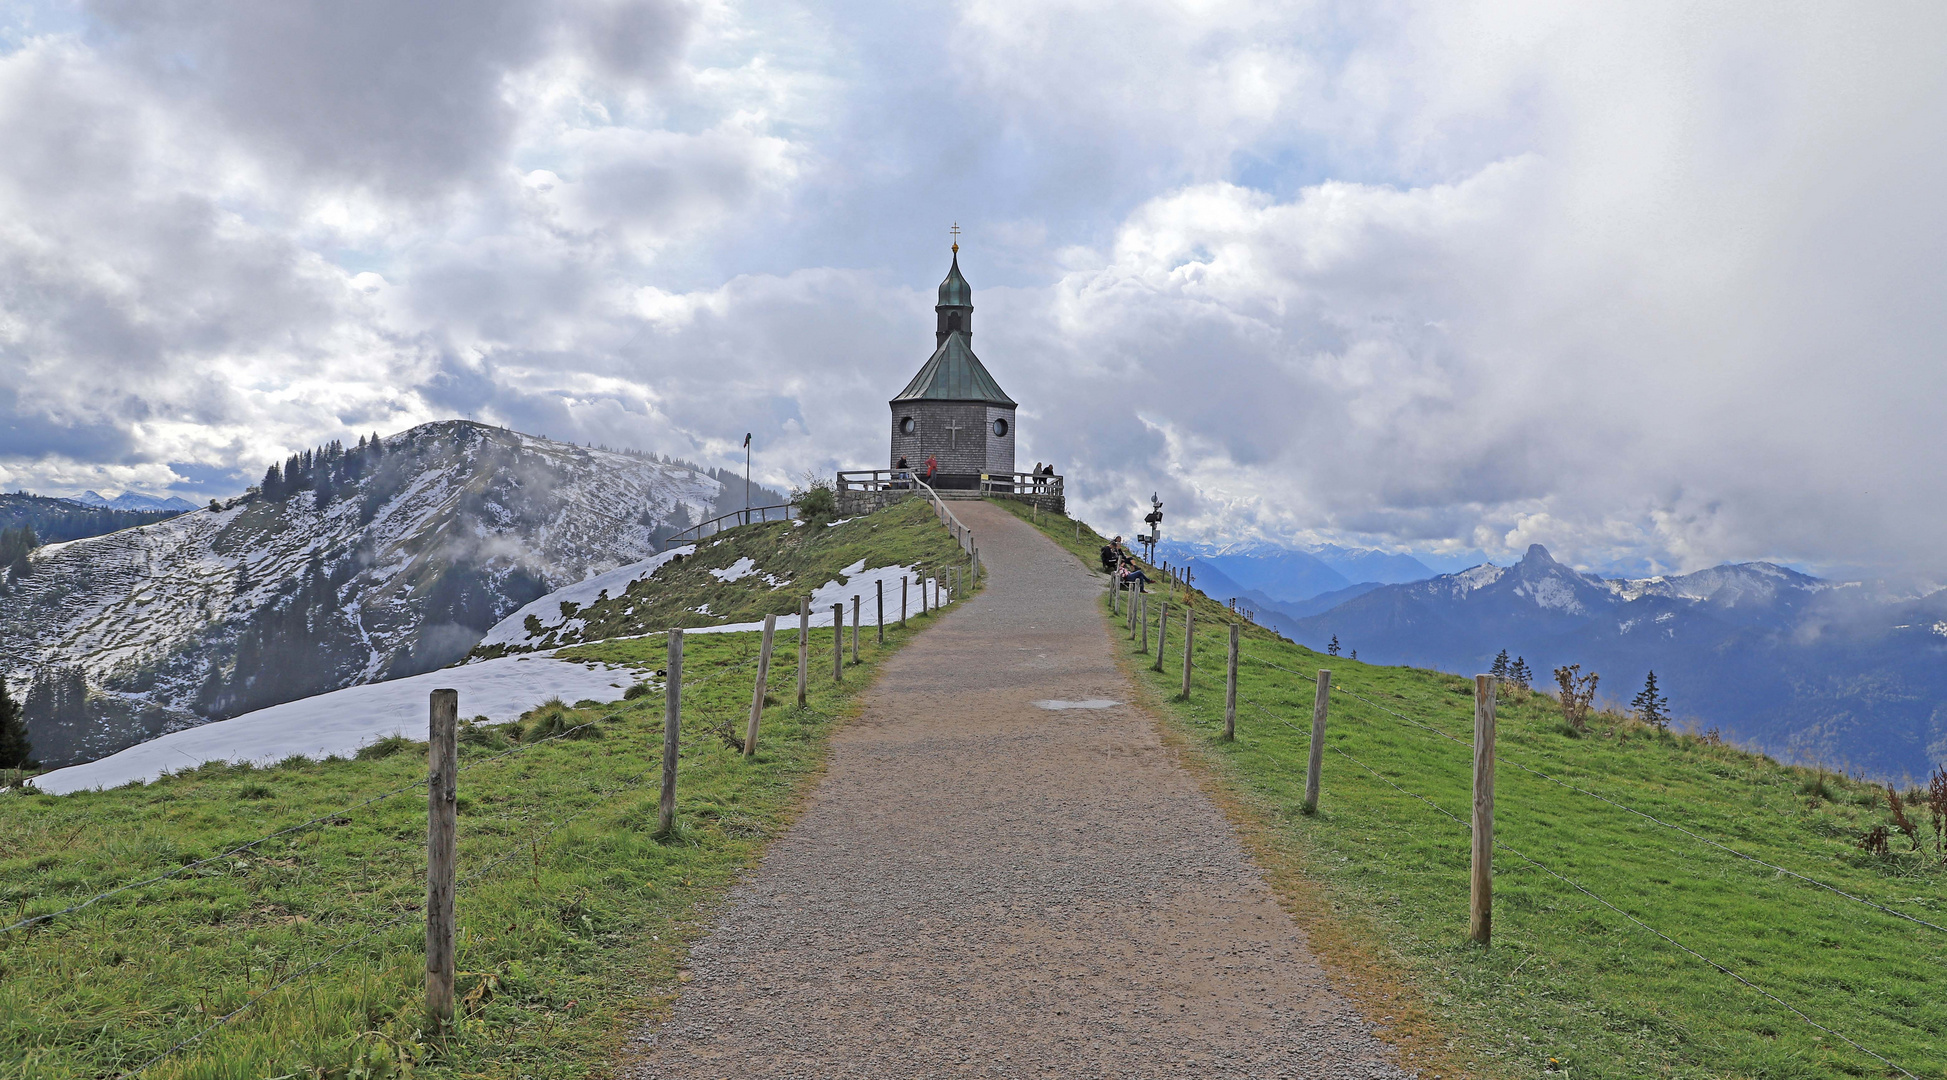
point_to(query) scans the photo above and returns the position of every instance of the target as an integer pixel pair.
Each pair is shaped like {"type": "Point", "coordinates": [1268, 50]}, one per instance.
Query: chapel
{"type": "Point", "coordinates": [953, 410]}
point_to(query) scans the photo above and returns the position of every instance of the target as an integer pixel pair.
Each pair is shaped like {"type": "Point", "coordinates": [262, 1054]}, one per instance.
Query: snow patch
{"type": "Point", "coordinates": [344, 720]}
{"type": "Point", "coordinates": [1553, 592]}
{"type": "Point", "coordinates": [1480, 577]}
{"type": "Point", "coordinates": [547, 609]}
{"type": "Point", "coordinates": [736, 571]}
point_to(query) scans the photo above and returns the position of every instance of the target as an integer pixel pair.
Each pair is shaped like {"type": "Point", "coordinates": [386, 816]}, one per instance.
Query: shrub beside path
{"type": "Point", "coordinates": [983, 887]}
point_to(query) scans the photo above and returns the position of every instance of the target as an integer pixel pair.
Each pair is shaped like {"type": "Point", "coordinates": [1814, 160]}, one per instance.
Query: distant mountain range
{"type": "Point", "coordinates": [54, 520]}
{"type": "Point", "coordinates": [347, 565]}
{"type": "Point", "coordinates": [129, 500]}
{"type": "Point", "coordinates": [1810, 670]}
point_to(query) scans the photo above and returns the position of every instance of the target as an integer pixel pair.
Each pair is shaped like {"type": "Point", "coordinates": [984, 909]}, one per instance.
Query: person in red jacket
{"type": "Point", "coordinates": [932, 466]}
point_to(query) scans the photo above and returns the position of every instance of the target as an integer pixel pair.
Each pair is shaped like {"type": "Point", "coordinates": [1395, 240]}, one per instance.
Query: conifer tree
{"type": "Point", "coordinates": [1520, 675]}
{"type": "Point", "coordinates": [273, 487]}
{"type": "Point", "coordinates": [1332, 649]}
{"type": "Point", "coordinates": [1651, 706]}
{"type": "Point", "coordinates": [1500, 668]}
{"type": "Point", "coordinates": [15, 750]}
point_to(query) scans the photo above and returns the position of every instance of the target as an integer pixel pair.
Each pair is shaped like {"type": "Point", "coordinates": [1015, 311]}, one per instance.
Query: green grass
{"type": "Point", "coordinates": [1570, 988]}
{"type": "Point", "coordinates": [574, 918]}
{"type": "Point", "coordinates": [798, 558]}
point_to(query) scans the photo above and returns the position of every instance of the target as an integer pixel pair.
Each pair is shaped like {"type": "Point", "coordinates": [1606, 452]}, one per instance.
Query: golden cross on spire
{"type": "Point", "coordinates": [956, 237]}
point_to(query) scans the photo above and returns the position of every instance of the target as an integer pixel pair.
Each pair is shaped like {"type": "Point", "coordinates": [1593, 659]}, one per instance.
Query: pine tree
{"type": "Point", "coordinates": [1652, 707]}
{"type": "Point", "coordinates": [1500, 668]}
{"type": "Point", "coordinates": [1519, 674]}
{"type": "Point", "coordinates": [273, 486]}
{"type": "Point", "coordinates": [1333, 648]}
{"type": "Point", "coordinates": [15, 750]}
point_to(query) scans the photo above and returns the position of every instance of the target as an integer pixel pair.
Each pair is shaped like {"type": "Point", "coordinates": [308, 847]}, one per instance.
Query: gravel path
{"type": "Point", "coordinates": [983, 887]}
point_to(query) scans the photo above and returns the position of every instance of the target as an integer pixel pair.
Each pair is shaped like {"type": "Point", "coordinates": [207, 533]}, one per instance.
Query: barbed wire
{"type": "Point", "coordinates": [1591, 894]}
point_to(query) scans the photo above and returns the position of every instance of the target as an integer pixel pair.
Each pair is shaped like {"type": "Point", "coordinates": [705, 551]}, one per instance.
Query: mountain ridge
{"type": "Point", "coordinates": [1803, 668]}
{"type": "Point", "coordinates": [347, 565]}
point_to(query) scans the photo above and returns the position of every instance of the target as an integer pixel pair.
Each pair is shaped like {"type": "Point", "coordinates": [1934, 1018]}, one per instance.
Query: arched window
{"type": "Point", "coordinates": [953, 322]}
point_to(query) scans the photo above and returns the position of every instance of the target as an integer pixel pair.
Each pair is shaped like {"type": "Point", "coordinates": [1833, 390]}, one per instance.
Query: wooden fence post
{"type": "Point", "coordinates": [442, 778]}
{"type": "Point", "coordinates": [1145, 621]}
{"type": "Point", "coordinates": [1230, 687]}
{"type": "Point", "coordinates": [763, 681]}
{"type": "Point", "coordinates": [672, 731]}
{"type": "Point", "coordinates": [923, 608]}
{"type": "Point", "coordinates": [902, 601]}
{"type": "Point", "coordinates": [804, 644]}
{"type": "Point", "coordinates": [855, 629]}
{"type": "Point", "coordinates": [1162, 630]}
{"type": "Point", "coordinates": [1321, 701]}
{"type": "Point", "coordinates": [1189, 641]}
{"type": "Point", "coordinates": [880, 585]}
{"type": "Point", "coordinates": [838, 642]}
{"type": "Point", "coordinates": [1480, 908]}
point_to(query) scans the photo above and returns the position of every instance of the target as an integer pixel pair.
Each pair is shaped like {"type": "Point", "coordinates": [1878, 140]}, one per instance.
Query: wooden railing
{"type": "Point", "coordinates": [876, 480]}
{"type": "Point", "coordinates": [999, 483]}
{"type": "Point", "coordinates": [1020, 483]}
{"type": "Point", "coordinates": [961, 534]}
{"type": "Point", "coordinates": [730, 521]}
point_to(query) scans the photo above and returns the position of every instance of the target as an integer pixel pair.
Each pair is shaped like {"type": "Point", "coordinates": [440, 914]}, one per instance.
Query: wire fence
{"type": "Point", "coordinates": [1501, 845]}
{"type": "Point", "coordinates": [1644, 814]}
{"type": "Point", "coordinates": [529, 843]}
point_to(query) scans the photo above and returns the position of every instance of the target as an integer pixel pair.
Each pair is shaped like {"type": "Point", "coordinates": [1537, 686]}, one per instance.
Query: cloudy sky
{"type": "Point", "coordinates": [1658, 285]}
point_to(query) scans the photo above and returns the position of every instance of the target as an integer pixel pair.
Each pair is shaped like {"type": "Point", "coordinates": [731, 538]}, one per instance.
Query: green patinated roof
{"type": "Point", "coordinates": [954, 373]}
{"type": "Point", "coordinates": [954, 291]}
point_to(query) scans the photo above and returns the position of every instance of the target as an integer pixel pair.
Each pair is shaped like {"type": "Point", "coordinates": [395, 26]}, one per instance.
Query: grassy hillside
{"type": "Point", "coordinates": [790, 560]}
{"type": "Point", "coordinates": [1571, 987]}
{"type": "Point", "coordinates": [574, 918]}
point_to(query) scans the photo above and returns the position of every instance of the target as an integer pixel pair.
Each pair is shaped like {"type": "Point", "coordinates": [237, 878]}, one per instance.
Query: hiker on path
{"type": "Point", "coordinates": [932, 466]}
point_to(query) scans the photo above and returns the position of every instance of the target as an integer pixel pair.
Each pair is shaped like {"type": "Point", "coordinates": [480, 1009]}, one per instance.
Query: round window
{"type": "Point", "coordinates": [1000, 427]}
{"type": "Point", "coordinates": [907, 426]}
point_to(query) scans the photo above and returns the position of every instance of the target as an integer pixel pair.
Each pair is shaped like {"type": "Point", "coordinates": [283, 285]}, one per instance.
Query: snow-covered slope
{"type": "Point", "coordinates": [342, 721]}
{"type": "Point", "coordinates": [555, 624]}
{"type": "Point", "coordinates": [388, 562]}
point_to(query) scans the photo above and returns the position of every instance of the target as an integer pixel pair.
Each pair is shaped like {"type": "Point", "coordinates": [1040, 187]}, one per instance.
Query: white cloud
{"type": "Point", "coordinates": [1652, 284]}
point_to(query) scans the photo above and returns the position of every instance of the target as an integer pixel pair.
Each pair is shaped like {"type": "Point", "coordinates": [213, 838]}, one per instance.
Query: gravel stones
{"type": "Point", "coordinates": [982, 887]}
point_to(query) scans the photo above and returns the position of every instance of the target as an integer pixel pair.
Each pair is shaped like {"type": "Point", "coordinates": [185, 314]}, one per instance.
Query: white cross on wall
{"type": "Point", "coordinates": [953, 430]}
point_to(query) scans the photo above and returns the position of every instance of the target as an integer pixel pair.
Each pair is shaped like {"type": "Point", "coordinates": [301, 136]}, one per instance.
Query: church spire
{"type": "Point", "coordinates": [954, 312]}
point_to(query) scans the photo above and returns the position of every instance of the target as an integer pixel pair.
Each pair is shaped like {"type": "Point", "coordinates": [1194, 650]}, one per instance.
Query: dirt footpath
{"type": "Point", "coordinates": [984, 887]}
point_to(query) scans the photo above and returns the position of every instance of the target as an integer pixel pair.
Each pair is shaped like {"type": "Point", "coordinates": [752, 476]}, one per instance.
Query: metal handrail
{"type": "Point", "coordinates": [695, 532]}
